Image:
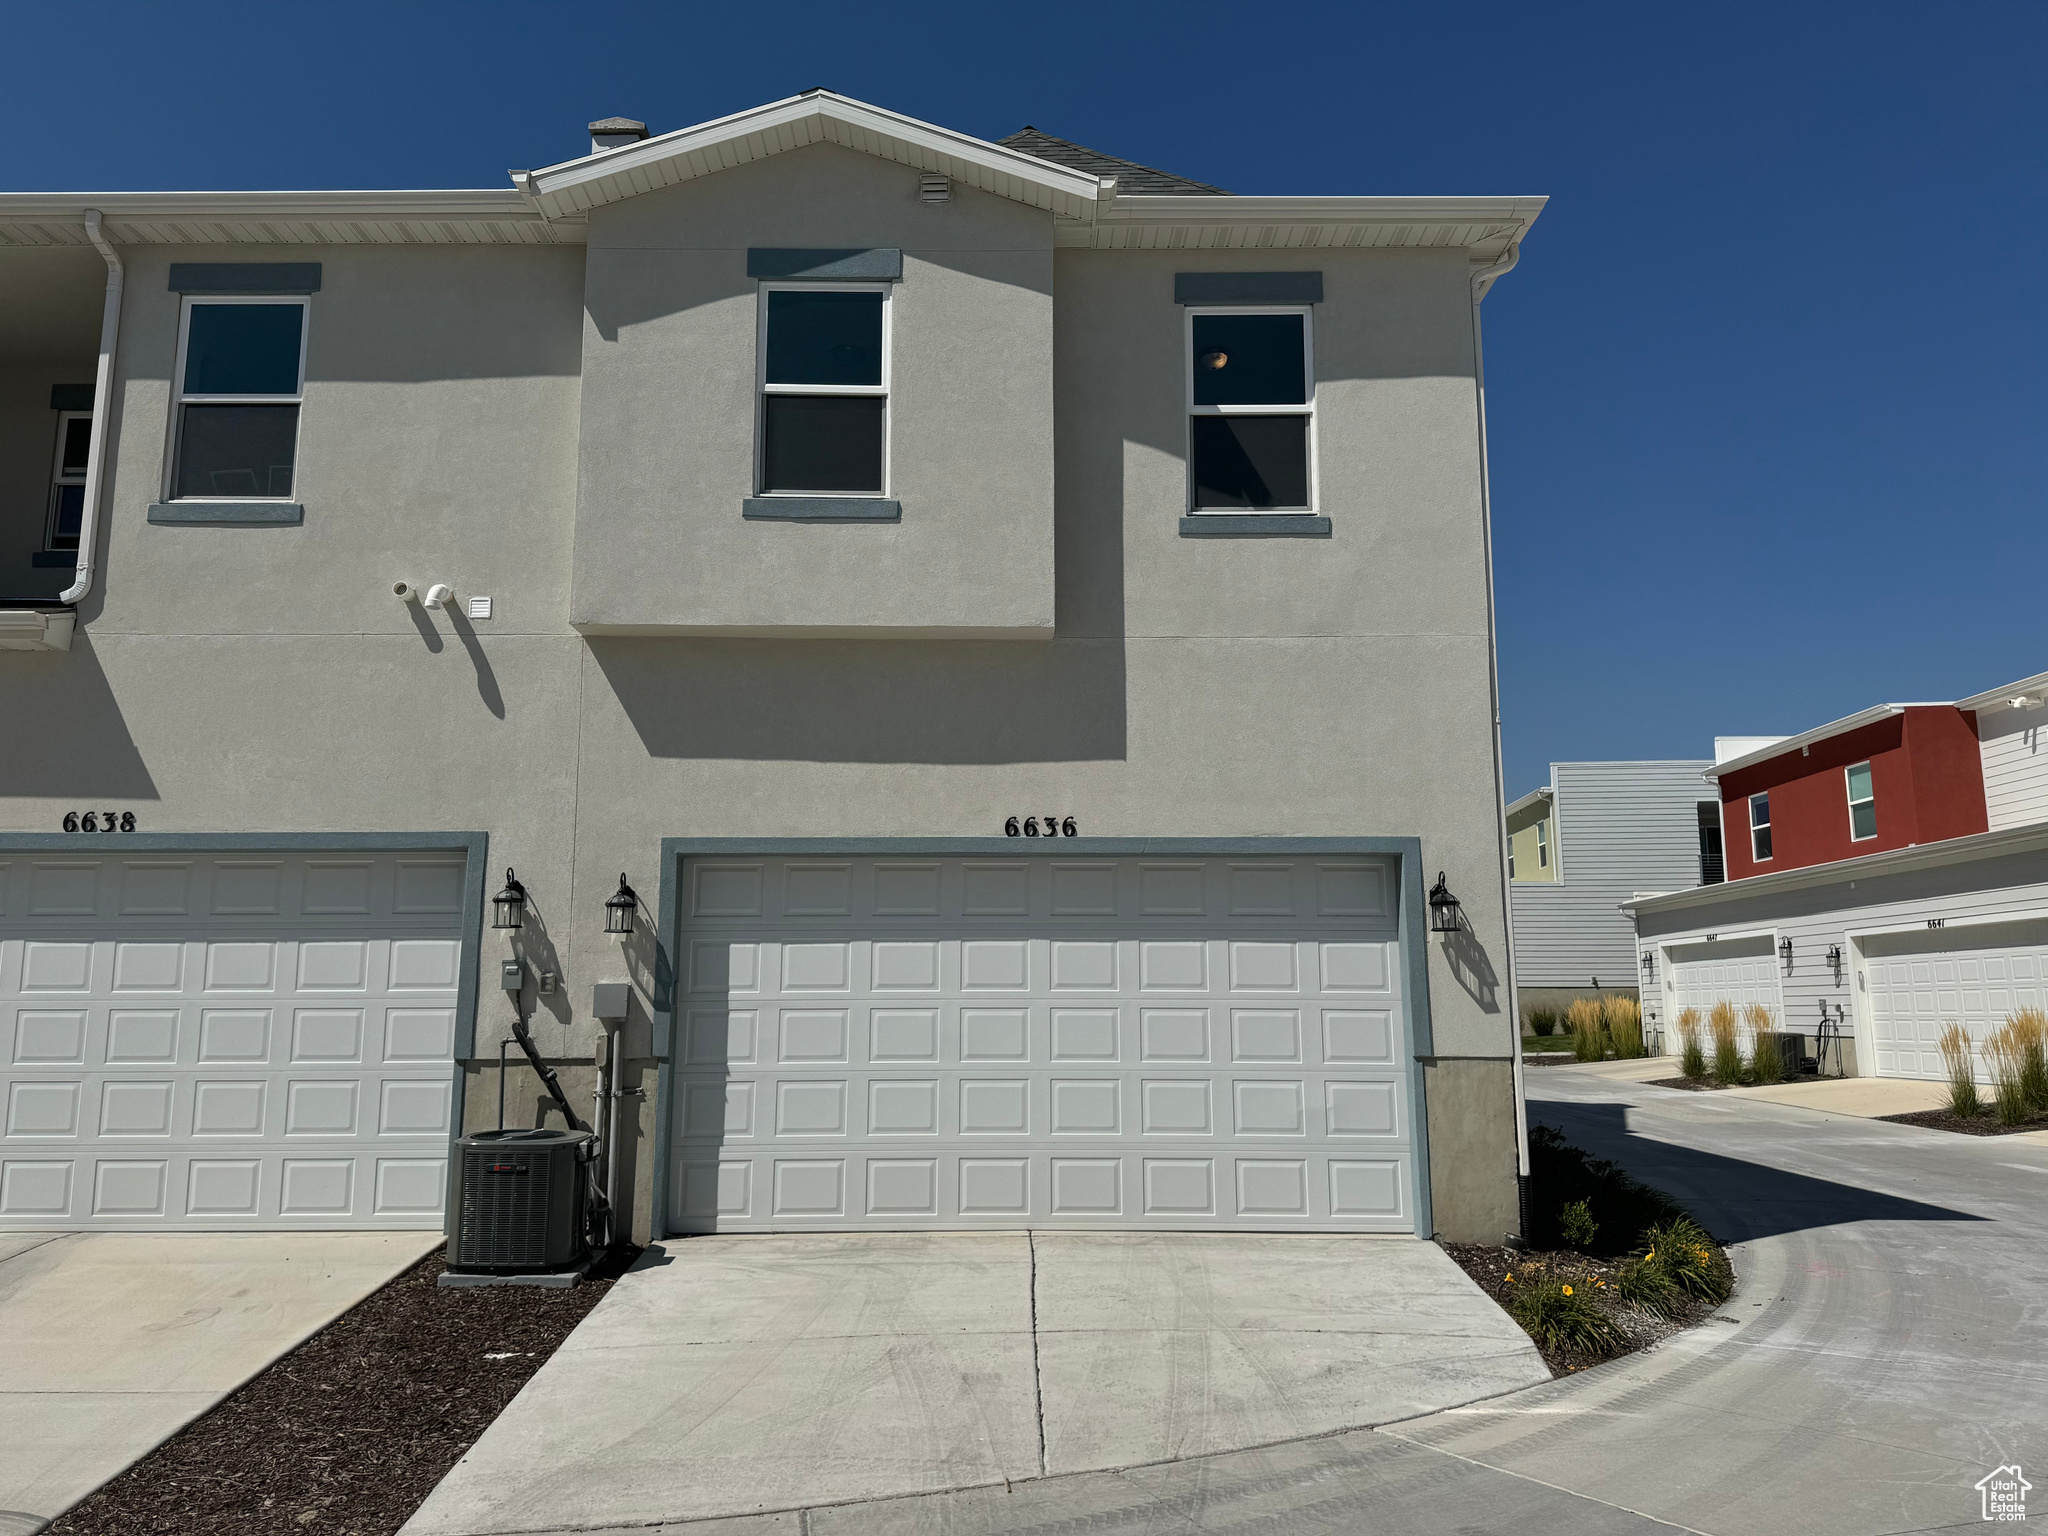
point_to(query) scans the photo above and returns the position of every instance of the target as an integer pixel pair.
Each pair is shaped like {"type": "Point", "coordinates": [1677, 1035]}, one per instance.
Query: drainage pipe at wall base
{"type": "Point", "coordinates": [1482, 281]}
{"type": "Point", "coordinates": [102, 401]}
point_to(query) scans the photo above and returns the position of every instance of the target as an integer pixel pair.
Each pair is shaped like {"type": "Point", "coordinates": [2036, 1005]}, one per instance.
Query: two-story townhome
{"type": "Point", "coordinates": [1005, 631]}
{"type": "Point", "coordinates": [1596, 836]}
{"type": "Point", "coordinates": [1887, 874]}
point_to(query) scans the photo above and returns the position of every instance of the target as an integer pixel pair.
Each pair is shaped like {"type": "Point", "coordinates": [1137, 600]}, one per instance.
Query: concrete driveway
{"type": "Point", "coordinates": [732, 1376]}
{"type": "Point", "coordinates": [111, 1342]}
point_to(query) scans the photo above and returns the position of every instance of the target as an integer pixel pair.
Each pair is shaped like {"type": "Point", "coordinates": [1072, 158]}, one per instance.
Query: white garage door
{"type": "Point", "coordinates": [216, 1042]}
{"type": "Point", "coordinates": [1041, 1042]}
{"type": "Point", "coordinates": [1915, 984]}
{"type": "Point", "coordinates": [1737, 971]}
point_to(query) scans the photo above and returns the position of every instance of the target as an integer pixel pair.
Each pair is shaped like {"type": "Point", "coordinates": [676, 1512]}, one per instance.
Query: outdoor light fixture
{"type": "Point", "coordinates": [1444, 909]}
{"type": "Point", "coordinates": [1650, 963]}
{"type": "Point", "coordinates": [619, 908]}
{"type": "Point", "coordinates": [508, 907]}
{"type": "Point", "coordinates": [1785, 949]}
{"type": "Point", "coordinates": [1835, 956]}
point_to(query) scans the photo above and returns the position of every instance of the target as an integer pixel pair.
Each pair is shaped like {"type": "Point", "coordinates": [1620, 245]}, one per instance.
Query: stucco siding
{"type": "Point", "coordinates": [1622, 829]}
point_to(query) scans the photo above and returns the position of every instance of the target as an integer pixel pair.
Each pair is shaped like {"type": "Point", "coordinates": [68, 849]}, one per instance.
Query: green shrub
{"type": "Point", "coordinates": [1543, 1022]}
{"type": "Point", "coordinates": [1575, 1221]}
{"type": "Point", "coordinates": [1644, 1282]}
{"type": "Point", "coordinates": [1556, 1314]}
{"type": "Point", "coordinates": [1962, 1075]}
{"type": "Point", "coordinates": [1727, 1048]}
{"type": "Point", "coordinates": [1624, 1016]}
{"type": "Point", "coordinates": [1620, 1205]}
{"type": "Point", "coordinates": [1767, 1057]}
{"type": "Point", "coordinates": [1684, 1252]}
{"type": "Point", "coordinates": [1692, 1061]}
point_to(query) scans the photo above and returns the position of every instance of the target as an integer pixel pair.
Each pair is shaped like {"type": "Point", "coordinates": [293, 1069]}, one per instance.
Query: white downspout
{"type": "Point", "coordinates": [102, 399]}
{"type": "Point", "coordinates": [1483, 280]}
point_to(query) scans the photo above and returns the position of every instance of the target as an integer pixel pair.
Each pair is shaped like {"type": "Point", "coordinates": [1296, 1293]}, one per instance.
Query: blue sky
{"type": "Point", "coordinates": [1767, 393]}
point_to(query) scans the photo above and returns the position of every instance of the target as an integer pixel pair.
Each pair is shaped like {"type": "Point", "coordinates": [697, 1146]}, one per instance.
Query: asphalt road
{"type": "Point", "coordinates": [1886, 1348]}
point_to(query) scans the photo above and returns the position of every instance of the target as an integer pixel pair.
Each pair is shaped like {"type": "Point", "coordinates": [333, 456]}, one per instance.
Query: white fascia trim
{"type": "Point", "coordinates": [1952, 850]}
{"type": "Point", "coordinates": [1530, 799]}
{"type": "Point", "coordinates": [548, 183]}
{"type": "Point", "coordinates": [235, 206]}
{"type": "Point", "coordinates": [1996, 698]}
{"type": "Point", "coordinates": [1500, 222]}
{"type": "Point", "coordinates": [1792, 744]}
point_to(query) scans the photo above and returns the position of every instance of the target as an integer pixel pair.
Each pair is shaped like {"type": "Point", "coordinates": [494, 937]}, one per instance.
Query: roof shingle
{"type": "Point", "coordinates": [1132, 179]}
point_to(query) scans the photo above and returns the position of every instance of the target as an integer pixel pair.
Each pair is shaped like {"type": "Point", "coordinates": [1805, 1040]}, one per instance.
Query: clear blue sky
{"type": "Point", "coordinates": [1767, 392]}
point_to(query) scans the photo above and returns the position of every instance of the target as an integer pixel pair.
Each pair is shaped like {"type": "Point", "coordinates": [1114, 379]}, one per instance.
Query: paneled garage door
{"type": "Point", "coordinates": [216, 1042]}
{"type": "Point", "coordinates": [1915, 984]}
{"type": "Point", "coordinates": [1737, 971]}
{"type": "Point", "coordinates": [1000, 1043]}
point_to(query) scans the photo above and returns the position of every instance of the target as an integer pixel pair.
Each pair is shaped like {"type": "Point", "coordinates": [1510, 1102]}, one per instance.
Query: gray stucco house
{"type": "Point", "coordinates": [783, 511]}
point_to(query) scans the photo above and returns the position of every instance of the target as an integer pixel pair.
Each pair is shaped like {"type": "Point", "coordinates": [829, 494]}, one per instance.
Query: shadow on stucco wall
{"type": "Point", "coordinates": [1473, 970]}
{"type": "Point", "coordinates": [64, 732]}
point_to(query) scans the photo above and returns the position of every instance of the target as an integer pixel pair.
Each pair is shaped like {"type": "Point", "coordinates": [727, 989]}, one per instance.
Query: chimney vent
{"type": "Point", "coordinates": [611, 132]}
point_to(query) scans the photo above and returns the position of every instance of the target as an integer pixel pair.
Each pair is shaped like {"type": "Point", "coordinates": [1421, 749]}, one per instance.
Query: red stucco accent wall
{"type": "Point", "coordinates": [1925, 770]}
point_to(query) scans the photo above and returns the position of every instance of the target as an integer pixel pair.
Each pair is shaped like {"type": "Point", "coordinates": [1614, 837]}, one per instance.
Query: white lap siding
{"type": "Point", "coordinates": [1000, 1043]}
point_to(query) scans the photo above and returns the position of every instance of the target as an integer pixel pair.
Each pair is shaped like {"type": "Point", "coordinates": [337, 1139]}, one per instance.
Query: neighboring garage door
{"type": "Point", "coordinates": [1737, 971]}
{"type": "Point", "coordinates": [1001, 1043]}
{"type": "Point", "coordinates": [227, 1042]}
{"type": "Point", "coordinates": [1916, 983]}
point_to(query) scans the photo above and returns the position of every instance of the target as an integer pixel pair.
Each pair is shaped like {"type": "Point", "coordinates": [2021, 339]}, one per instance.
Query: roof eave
{"type": "Point", "coordinates": [1999, 698]}
{"type": "Point", "coordinates": [1792, 744]}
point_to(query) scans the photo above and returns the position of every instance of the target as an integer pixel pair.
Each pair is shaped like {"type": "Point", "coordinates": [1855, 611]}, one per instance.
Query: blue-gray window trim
{"type": "Point", "coordinates": [236, 277]}
{"type": "Point", "coordinates": [1253, 525]}
{"type": "Point", "coordinates": [1410, 931]}
{"type": "Point", "coordinates": [1247, 287]}
{"type": "Point", "coordinates": [71, 397]}
{"type": "Point", "coordinates": [228, 514]}
{"type": "Point", "coordinates": [877, 263]}
{"type": "Point", "coordinates": [473, 846]}
{"type": "Point", "coordinates": [821, 509]}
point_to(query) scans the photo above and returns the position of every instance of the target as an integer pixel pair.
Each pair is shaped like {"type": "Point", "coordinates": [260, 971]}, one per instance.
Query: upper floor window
{"type": "Point", "coordinates": [824, 389]}
{"type": "Point", "coordinates": [1760, 827]}
{"type": "Point", "coordinates": [1251, 410]}
{"type": "Point", "coordinates": [241, 376]}
{"type": "Point", "coordinates": [1543, 845]}
{"type": "Point", "coordinates": [1862, 804]}
{"type": "Point", "coordinates": [67, 480]}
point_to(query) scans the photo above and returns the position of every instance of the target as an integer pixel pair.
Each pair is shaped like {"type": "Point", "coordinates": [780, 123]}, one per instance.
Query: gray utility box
{"type": "Point", "coordinates": [520, 1202]}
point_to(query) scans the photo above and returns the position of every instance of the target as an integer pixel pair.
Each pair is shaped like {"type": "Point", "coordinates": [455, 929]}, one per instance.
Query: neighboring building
{"type": "Point", "coordinates": [1598, 835]}
{"type": "Point", "coordinates": [1889, 873]}
{"type": "Point", "coordinates": [801, 502]}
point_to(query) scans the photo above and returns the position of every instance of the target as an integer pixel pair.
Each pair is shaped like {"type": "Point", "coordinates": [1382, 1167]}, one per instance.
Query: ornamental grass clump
{"type": "Point", "coordinates": [1766, 1055]}
{"type": "Point", "coordinates": [1557, 1316]}
{"type": "Point", "coordinates": [1589, 1035]}
{"type": "Point", "coordinates": [1692, 1060]}
{"type": "Point", "coordinates": [1624, 1018]}
{"type": "Point", "coordinates": [1685, 1254]}
{"type": "Point", "coordinates": [2005, 1054]}
{"type": "Point", "coordinates": [1643, 1282]}
{"type": "Point", "coordinates": [1543, 1022]}
{"type": "Point", "coordinates": [1962, 1073]}
{"type": "Point", "coordinates": [1727, 1048]}
{"type": "Point", "coordinates": [2030, 1027]}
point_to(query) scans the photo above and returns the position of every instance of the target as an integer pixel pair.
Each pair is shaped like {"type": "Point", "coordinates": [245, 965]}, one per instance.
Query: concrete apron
{"type": "Point", "coordinates": [111, 1342]}
{"type": "Point", "coordinates": [737, 1375]}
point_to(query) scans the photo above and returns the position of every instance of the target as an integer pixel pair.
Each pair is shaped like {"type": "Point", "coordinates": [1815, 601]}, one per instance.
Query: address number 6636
{"type": "Point", "coordinates": [1054, 826]}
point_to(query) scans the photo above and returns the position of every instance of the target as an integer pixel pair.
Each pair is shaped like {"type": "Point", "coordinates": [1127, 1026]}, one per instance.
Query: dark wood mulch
{"type": "Point", "coordinates": [1490, 1266]}
{"type": "Point", "coordinates": [1983, 1123]}
{"type": "Point", "coordinates": [347, 1434]}
{"type": "Point", "coordinates": [1708, 1085]}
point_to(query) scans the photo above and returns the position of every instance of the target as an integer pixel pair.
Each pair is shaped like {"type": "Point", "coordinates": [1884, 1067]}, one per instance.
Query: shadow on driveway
{"type": "Point", "coordinates": [1737, 1200]}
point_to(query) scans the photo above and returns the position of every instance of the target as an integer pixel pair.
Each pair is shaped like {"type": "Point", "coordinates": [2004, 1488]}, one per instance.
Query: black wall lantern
{"type": "Point", "coordinates": [619, 908]}
{"type": "Point", "coordinates": [1785, 950]}
{"type": "Point", "coordinates": [1650, 964]}
{"type": "Point", "coordinates": [508, 907]}
{"type": "Point", "coordinates": [1835, 956]}
{"type": "Point", "coordinates": [1444, 909]}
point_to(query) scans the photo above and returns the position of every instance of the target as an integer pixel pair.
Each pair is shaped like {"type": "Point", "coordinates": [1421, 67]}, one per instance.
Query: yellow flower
{"type": "Point", "coordinates": [1651, 1255]}
{"type": "Point", "coordinates": [1511, 1279]}
{"type": "Point", "coordinates": [1567, 1290]}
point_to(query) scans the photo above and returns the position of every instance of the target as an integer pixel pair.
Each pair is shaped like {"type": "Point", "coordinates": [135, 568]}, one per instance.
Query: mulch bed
{"type": "Point", "coordinates": [1490, 1265]}
{"type": "Point", "coordinates": [1983, 1124]}
{"type": "Point", "coordinates": [1708, 1085]}
{"type": "Point", "coordinates": [347, 1434]}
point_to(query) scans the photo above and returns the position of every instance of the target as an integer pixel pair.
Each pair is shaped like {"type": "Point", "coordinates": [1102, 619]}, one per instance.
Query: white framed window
{"type": "Point", "coordinates": [1760, 827]}
{"type": "Point", "coordinates": [1251, 408]}
{"type": "Point", "coordinates": [1543, 845]}
{"type": "Point", "coordinates": [822, 388]}
{"type": "Point", "coordinates": [241, 379]}
{"type": "Point", "coordinates": [1862, 804]}
{"type": "Point", "coordinates": [1511, 858]}
{"type": "Point", "coordinates": [67, 480]}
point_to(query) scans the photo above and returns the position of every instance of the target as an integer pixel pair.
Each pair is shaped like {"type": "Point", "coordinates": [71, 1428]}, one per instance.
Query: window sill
{"type": "Point", "coordinates": [1255, 525]}
{"type": "Point", "coordinates": [821, 509]}
{"type": "Point", "coordinates": [227, 514]}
